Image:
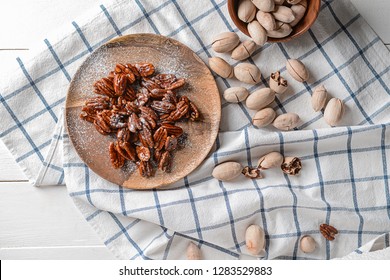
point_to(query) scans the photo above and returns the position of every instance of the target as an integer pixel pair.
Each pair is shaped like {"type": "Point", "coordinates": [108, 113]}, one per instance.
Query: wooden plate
{"type": "Point", "coordinates": [168, 56]}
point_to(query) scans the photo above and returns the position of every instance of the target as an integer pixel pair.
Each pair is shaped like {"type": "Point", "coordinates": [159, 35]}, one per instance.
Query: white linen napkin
{"type": "Point", "coordinates": [344, 180]}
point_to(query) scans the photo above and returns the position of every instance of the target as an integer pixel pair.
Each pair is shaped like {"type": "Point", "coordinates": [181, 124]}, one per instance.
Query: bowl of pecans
{"type": "Point", "coordinates": [273, 20]}
{"type": "Point", "coordinates": [143, 111]}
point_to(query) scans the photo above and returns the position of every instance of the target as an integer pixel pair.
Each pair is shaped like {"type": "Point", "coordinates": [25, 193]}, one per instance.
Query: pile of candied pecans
{"type": "Point", "coordinates": [141, 110]}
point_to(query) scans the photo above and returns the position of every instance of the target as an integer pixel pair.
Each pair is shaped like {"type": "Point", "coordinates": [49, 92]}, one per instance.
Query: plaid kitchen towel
{"type": "Point", "coordinates": [344, 180]}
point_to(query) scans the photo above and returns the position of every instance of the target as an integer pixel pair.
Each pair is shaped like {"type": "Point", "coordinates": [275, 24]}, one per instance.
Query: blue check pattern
{"type": "Point", "coordinates": [344, 181]}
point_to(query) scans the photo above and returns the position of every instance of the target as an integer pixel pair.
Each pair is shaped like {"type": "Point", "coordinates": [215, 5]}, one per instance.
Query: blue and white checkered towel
{"type": "Point", "coordinates": [344, 181]}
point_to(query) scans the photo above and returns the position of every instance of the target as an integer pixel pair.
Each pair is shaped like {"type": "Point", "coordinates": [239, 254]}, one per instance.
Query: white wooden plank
{"type": "Point", "coordinates": [376, 14]}
{"type": "Point", "coordinates": [9, 170]}
{"type": "Point", "coordinates": [24, 22]}
{"type": "Point", "coordinates": [41, 217]}
{"type": "Point", "coordinates": [57, 253]}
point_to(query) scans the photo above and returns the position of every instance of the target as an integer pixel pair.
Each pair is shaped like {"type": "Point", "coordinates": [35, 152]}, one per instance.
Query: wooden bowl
{"type": "Point", "coordinates": [313, 8]}
{"type": "Point", "coordinates": [168, 56]}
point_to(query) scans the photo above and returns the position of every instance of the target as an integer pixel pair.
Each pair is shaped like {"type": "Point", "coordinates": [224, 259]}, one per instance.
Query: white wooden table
{"type": "Point", "coordinates": [42, 223]}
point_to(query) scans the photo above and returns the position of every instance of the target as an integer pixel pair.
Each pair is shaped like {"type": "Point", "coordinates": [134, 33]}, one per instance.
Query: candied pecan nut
{"type": "Point", "coordinates": [145, 169]}
{"type": "Point", "coordinates": [149, 112]}
{"type": "Point", "coordinates": [105, 116]}
{"type": "Point", "coordinates": [120, 83]}
{"type": "Point", "coordinates": [118, 121]}
{"type": "Point", "coordinates": [160, 137]}
{"type": "Point", "coordinates": [111, 75]}
{"type": "Point", "coordinates": [149, 84]}
{"type": "Point", "coordinates": [157, 155]}
{"type": "Point", "coordinates": [253, 173]}
{"type": "Point", "coordinates": [126, 72]}
{"type": "Point", "coordinates": [133, 69]}
{"type": "Point", "coordinates": [181, 110]}
{"type": "Point", "coordinates": [104, 86]}
{"type": "Point", "coordinates": [158, 93]}
{"type": "Point", "coordinates": [143, 153]}
{"type": "Point", "coordinates": [89, 110]}
{"type": "Point", "coordinates": [87, 117]}
{"type": "Point", "coordinates": [145, 122]}
{"type": "Point", "coordinates": [142, 97]}
{"type": "Point", "coordinates": [172, 129]}
{"type": "Point", "coordinates": [117, 160]}
{"type": "Point", "coordinates": [194, 112]}
{"type": "Point", "coordinates": [177, 84]}
{"type": "Point", "coordinates": [164, 80]}
{"type": "Point", "coordinates": [132, 107]}
{"type": "Point", "coordinates": [123, 135]}
{"type": "Point", "coordinates": [328, 231]}
{"type": "Point", "coordinates": [171, 143]}
{"type": "Point", "coordinates": [165, 163]}
{"type": "Point", "coordinates": [147, 136]}
{"type": "Point", "coordinates": [145, 69]}
{"type": "Point", "coordinates": [165, 118]}
{"type": "Point", "coordinates": [101, 125]}
{"type": "Point", "coordinates": [148, 121]}
{"type": "Point", "coordinates": [129, 94]}
{"type": "Point", "coordinates": [142, 139]}
{"type": "Point", "coordinates": [98, 103]}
